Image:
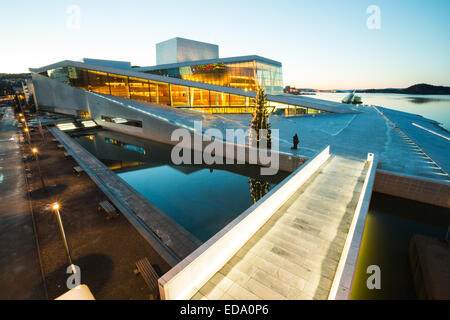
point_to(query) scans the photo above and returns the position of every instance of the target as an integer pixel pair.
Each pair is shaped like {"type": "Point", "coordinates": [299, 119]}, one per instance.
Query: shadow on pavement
{"type": "Point", "coordinates": [39, 194]}
{"type": "Point", "coordinates": [95, 271]}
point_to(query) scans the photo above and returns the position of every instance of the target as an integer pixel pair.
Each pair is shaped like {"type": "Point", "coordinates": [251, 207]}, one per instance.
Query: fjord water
{"type": "Point", "coordinates": [202, 199]}
{"type": "Point", "coordinates": [434, 107]}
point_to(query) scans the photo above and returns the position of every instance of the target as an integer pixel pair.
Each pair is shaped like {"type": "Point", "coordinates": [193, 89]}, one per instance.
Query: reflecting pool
{"type": "Point", "coordinates": [202, 199]}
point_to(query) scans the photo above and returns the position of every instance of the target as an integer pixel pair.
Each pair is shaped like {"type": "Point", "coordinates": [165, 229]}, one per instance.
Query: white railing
{"type": "Point", "coordinates": [343, 279]}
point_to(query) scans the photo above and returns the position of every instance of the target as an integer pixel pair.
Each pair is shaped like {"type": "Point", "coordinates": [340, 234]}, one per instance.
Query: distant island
{"type": "Point", "coordinates": [421, 88]}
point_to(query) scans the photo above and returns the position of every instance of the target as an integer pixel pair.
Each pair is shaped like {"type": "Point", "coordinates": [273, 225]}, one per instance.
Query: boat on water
{"type": "Point", "coordinates": [352, 98]}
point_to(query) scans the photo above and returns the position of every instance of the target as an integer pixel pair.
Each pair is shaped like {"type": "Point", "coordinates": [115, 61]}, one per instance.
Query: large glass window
{"type": "Point", "coordinates": [163, 94]}
{"type": "Point", "coordinates": [179, 95]}
{"type": "Point", "coordinates": [220, 99]}
{"type": "Point", "coordinates": [270, 77]}
{"type": "Point", "coordinates": [98, 82]}
{"type": "Point", "coordinates": [236, 101]}
{"type": "Point", "coordinates": [241, 75]}
{"type": "Point", "coordinates": [59, 74]}
{"type": "Point", "coordinates": [199, 97]}
{"type": "Point", "coordinates": [159, 93]}
{"type": "Point", "coordinates": [139, 89]}
{"type": "Point", "coordinates": [78, 78]}
{"type": "Point", "coordinates": [153, 92]}
{"type": "Point", "coordinates": [119, 86]}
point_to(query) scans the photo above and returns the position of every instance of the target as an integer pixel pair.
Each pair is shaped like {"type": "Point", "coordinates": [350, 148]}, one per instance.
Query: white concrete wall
{"type": "Point", "coordinates": [51, 93]}
{"type": "Point", "coordinates": [343, 279]}
{"type": "Point", "coordinates": [186, 278]}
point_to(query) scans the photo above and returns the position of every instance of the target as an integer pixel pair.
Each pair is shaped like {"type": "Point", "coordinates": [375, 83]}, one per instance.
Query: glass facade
{"type": "Point", "coordinates": [199, 98]}
{"type": "Point", "coordinates": [119, 86]}
{"type": "Point", "coordinates": [179, 95]}
{"type": "Point", "coordinates": [241, 75]}
{"type": "Point", "coordinates": [98, 82]}
{"type": "Point", "coordinates": [139, 89]}
{"type": "Point", "coordinates": [167, 94]}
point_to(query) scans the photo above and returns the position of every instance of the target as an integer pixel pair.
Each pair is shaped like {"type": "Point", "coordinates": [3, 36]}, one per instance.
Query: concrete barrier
{"type": "Point", "coordinates": [343, 279]}
{"type": "Point", "coordinates": [187, 277]}
{"type": "Point", "coordinates": [426, 190]}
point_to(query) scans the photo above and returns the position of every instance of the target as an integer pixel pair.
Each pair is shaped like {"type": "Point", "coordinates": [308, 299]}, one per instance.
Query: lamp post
{"type": "Point", "coordinates": [27, 132]}
{"type": "Point", "coordinates": [40, 127]}
{"type": "Point", "coordinates": [55, 208]}
{"type": "Point", "coordinates": [36, 156]}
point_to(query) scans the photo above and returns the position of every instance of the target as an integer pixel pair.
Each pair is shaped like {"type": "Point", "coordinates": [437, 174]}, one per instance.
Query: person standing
{"type": "Point", "coordinates": [295, 141]}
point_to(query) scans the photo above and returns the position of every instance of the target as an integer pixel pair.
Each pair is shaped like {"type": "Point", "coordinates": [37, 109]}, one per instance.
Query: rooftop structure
{"type": "Point", "coordinates": [178, 50]}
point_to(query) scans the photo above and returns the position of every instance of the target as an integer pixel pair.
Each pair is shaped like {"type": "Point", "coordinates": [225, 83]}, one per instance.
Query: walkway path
{"type": "Point", "coordinates": [20, 271]}
{"type": "Point", "coordinates": [296, 253]}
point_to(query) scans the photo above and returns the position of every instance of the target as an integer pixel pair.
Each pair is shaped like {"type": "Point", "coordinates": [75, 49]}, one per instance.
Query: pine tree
{"type": "Point", "coordinates": [260, 119]}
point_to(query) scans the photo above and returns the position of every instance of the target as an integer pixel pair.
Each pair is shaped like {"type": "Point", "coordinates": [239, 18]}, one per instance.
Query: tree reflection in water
{"type": "Point", "coordinates": [258, 189]}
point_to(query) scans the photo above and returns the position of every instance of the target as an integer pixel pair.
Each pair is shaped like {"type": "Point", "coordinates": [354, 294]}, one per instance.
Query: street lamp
{"type": "Point", "coordinates": [27, 131]}
{"type": "Point", "coordinates": [55, 208]}
{"type": "Point", "coordinates": [40, 127]}
{"type": "Point", "coordinates": [36, 156]}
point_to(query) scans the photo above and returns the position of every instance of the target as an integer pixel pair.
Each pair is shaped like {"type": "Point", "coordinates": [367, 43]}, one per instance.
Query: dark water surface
{"type": "Point", "coordinates": [391, 222]}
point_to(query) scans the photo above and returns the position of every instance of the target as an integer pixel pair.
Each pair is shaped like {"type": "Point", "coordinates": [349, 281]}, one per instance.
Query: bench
{"type": "Point", "coordinates": [78, 170]}
{"type": "Point", "coordinates": [144, 268]}
{"type": "Point", "coordinates": [108, 208]}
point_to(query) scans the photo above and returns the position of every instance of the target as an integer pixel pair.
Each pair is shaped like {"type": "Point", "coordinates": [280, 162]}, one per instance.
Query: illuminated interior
{"type": "Point", "coordinates": [240, 75]}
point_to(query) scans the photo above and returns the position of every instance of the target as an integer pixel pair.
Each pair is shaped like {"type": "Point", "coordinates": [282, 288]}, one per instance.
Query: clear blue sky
{"type": "Point", "coordinates": [322, 43]}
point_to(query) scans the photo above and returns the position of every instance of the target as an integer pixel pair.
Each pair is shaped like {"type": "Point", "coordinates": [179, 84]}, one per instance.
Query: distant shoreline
{"type": "Point", "coordinates": [419, 89]}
